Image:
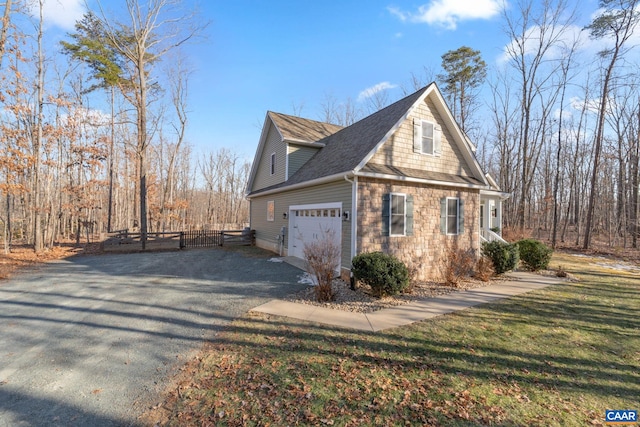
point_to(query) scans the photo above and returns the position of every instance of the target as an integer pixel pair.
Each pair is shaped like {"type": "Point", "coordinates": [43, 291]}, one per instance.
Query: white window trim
{"type": "Point", "coordinates": [272, 166]}
{"type": "Point", "coordinates": [433, 138]}
{"type": "Point", "coordinates": [271, 210]}
{"type": "Point", "coordinates": [446, 216]}
{"type": "Point", "coordinates": [404, 222]}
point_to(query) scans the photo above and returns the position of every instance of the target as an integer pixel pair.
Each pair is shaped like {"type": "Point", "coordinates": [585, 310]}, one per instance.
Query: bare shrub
{"type": "Point", "coordinates": [561, 272]}
{"type": "Point", "coordinates": [484, 269]}
{"type": "Point", "coordinates": [456, 264]}
{"type": "Point", "coordinates": [323, 259]}
{"type": "Point", "coordinates": [413, 267]}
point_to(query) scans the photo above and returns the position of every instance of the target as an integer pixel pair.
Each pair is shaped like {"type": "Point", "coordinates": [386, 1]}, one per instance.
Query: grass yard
{"type": "Point", "coordinates": [555, 357]}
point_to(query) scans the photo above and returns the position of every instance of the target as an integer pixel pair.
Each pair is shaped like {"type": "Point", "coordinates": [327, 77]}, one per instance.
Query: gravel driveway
{"type": "Point", "coordinates": [90, 341]}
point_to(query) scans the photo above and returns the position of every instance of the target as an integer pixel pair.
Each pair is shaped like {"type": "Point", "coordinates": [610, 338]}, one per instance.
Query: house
{"type": "Point", "coordinates": [403, 180]}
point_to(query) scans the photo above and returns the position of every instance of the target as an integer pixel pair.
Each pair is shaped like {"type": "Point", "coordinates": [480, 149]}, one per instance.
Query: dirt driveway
{"type": "Point", "coordinates": [91, 340]}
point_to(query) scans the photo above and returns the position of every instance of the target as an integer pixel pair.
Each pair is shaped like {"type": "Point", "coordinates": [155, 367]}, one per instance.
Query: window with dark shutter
{"type": "Point", "coordinates": [397, 215]}
{"type": "Point", "coordinates": [451, 216]}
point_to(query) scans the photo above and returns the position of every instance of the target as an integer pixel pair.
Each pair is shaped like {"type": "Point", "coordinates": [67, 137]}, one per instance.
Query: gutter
{"type": "Point", "coordinates": [317, 181]}
{"type": "Point", "coordinates": [500, 194]}
{"type": "Point", "coordinates": [421, 181]}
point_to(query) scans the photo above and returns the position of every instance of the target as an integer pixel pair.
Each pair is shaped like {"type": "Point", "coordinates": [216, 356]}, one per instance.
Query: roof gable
{"type": "Point", "coordinates": [345, 149]}
{"type": "Point", "coordinates": [348, 150]}
{"type": "Point", "coordinates": [291, 129]}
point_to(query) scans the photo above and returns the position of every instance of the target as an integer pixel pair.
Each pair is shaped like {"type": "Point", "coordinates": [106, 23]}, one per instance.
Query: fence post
{"type": "Point", "coordinates": [182, 240]}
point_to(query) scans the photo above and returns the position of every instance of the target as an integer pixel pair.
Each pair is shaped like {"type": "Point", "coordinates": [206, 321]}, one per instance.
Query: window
{"type": "Point", "coordinates": [427, 137]}
{"type": "Point", "coordinates": [451, 216]}
{"type": "Point", "coordinates": [271, 210]}
{"type": "Point", "coordinates": [273, 163]}
{"type": "Point", "coordinates": [397, 214]}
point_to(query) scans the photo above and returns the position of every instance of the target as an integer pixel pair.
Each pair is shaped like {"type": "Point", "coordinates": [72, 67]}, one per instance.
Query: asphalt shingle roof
{"type": "Point", "coordinates": [420, 174]}
{"type": "Point", "coordinates": [295, 128]}
{"type": "Point", "coordinates": [345, 149]}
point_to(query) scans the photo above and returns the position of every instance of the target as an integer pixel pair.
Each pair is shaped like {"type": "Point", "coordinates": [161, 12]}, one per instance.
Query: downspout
{"type": "Point", "coordinates": [354, 219]}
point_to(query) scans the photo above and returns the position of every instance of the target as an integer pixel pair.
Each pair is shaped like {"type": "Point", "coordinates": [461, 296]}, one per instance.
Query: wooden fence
{"type": "Point", "coordinates": [123, 240]}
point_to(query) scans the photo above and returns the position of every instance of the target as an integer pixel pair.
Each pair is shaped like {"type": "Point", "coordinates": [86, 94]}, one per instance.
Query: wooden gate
{"type": "Point", "coordinates": [201, 238]}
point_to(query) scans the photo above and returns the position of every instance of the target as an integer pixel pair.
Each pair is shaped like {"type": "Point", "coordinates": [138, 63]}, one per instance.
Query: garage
{"type": "Point", "coordinates": [308, 223]}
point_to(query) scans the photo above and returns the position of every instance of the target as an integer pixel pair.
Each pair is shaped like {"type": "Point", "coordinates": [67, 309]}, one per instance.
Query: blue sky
{"type": "Point", "coordinates": [260, 56]}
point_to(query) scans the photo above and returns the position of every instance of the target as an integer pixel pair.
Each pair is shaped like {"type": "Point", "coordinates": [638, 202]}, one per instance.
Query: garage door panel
{"type": "Point", "coordinates": [311, 224]}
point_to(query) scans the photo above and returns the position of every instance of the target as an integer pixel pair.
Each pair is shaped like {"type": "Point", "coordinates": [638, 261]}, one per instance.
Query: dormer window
{"type": "Point", "coordinates": [273, 163]}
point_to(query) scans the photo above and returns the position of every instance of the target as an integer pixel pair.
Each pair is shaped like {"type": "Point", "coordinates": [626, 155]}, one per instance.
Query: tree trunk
{"type": "Point", "coordinates": [597, 151]}
{"type": "Point", "coordinates": [37, 225]}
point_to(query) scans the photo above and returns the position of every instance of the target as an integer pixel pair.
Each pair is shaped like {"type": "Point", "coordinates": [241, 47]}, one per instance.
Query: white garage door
{"type": "Point", "coordinates": [311, 222]}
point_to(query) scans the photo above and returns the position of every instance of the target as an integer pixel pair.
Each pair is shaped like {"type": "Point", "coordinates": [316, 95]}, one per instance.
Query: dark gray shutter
{"type": "Point", "coordinates": [386, 212]}
{"type": "Point", "coordinates": [460, 216]}
{"type": "Point", "coordinates": [443, 215]}
{"type": "Point", "coordinates": [409, 215]}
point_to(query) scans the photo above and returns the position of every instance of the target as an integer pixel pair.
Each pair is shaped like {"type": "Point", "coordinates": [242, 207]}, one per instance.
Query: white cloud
{"type": "Point", "coordinates": [371, 91]}
{"type": "Point", "coordinates": [61, 13]}
{"type": "Point", "coordinates": [87, 116]}
{"type": "Point", "coordinates": [448, 13]}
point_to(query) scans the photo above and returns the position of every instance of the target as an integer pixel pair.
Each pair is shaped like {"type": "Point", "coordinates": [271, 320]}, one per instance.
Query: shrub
{"type": "Point", "coordinates": [484, 269]}
{"type": "Point", "coordinates": [504, 256]}
{"type": "Point", "coordinates": [456, 264]}
{"type": "Point", "coordinates": [534, 254]}
{"type": "Point", "coordinates": [561, 272]}
{"type": "Point", "coordinates": [323, 259]}
{"type": "Point", "coordinates": [385, 274]}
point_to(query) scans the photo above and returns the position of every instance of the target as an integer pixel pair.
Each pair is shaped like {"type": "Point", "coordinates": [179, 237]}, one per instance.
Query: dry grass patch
{"type": "Point", "coordinates": [555, 357]}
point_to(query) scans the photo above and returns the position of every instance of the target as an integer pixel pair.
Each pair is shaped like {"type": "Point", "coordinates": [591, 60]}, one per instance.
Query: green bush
{"type": "Point", "coordinates": [534, 254]}
{"type": "Point", "coordinates": [504, 256]}
{"type": "Point", "coordinates": [385, 274]}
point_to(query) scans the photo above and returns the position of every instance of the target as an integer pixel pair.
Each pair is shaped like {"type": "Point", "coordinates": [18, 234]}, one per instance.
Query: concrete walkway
{"type": "Point", "coordinates": [518, 283]}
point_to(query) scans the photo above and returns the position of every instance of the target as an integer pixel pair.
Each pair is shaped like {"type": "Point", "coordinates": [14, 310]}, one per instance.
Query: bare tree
{"type": "Point", "coordinates": [153, 29]}
{"type": "Point", "coordinates": [4, 28]}
{"type": "Point", "coordinates": [343, 113]}
{"type": "Point", "coordinates": [616, 22]}
{"type": "Point", "coordinates": [565, 67]}
{"type": "Point", "coordinates": [179, 83]}
{"type": "Point", "coordinates": [534, 33]}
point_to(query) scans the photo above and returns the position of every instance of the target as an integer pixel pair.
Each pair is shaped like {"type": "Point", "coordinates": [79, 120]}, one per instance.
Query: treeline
{"type": "Point", "coordinates": [565, 129]}
{"type": "Point", "coordinates": [556, 120]}
{"type": "Point", "coordinates": [68, 170]}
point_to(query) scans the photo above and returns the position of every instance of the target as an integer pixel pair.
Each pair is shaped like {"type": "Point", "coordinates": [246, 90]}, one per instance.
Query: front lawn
{"type": "Point", "coordinates": [559, 356]}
